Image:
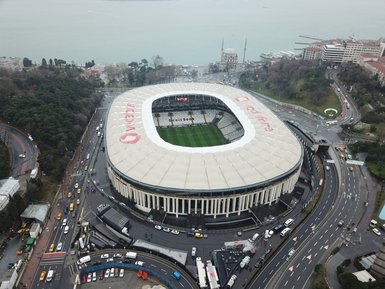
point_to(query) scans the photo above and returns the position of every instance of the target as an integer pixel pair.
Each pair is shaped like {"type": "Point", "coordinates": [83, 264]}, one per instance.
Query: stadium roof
{"type": "Point", "coordinates": [267, 151]}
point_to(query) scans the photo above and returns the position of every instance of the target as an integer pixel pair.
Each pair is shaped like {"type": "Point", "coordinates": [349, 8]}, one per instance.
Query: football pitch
{"type": "Point", "coordinates": [193, 136]}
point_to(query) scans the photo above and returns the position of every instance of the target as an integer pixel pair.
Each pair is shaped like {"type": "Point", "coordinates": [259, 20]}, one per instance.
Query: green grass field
{"type": "Point", "coordinates": [193, 136]}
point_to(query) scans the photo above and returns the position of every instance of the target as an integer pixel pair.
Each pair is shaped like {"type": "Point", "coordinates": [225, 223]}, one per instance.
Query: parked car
{"type": "Point", "coordinates": [89, 278]}
{"type": "Point", "coordinates": [116, 271]}
{"type": "Point", "coordinates": [167, 230]}
{"type": "Point", "coordinates": [104, 256]}
{"type": "Point", "coordinates": [42, 275]}
{"type": "Point", "coordinates": [101, 274]}
{"type": "Point", "coordinates": [94, 276]}
{"type": "Point", "coordinates": [376, 231]}
{"type": "Point", "coordinates": [107, 273]}
{"type": "Point", "coordinates": [175, 232]}
{"type": "Point", "coordinates": [117, 255]}
{"type": "Point", "coordinates": [121, 273]}
{"type": "Point", "coordinates": [139, 263]}
{"type": "Point", "coordinates": [158, 227]}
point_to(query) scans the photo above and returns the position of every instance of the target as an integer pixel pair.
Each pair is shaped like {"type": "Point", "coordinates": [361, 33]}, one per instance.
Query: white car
{"type": "Point", "coordinates": [117, 255]}
{"type": "Point", "coordinates": [121, 273]}
{"type": "Point", "coordinates": [94, 276]}
{"type": "Point", "coordinates": [107, 274]}
{"type": "Point", "coordinates": [158, 227]}
{"type": "Point", "coordinates": [376, 231]}
{"type": "Point", "coordinates": [104, 256]}
{"type": "Point", "coordinates": [291, 252]}
{"type": "Point", "coordinates": [109, 260]}
{"type": "Point", "coordinates": [193, 251]}
{"type": "Point", "coordinates": [76, 185]}
{"type": "Point", "coordinates": [59, 247]}
{"type": "Point", "coordinates": [22, 156]}
{"type": "Point", "coordinates": [167, 230]}
{"type": "Point", "coordinates": [66, 229]}
{"type": "Point", "coordinates": [139, 263]}
{"type": "Point", "coordinates": [175, 232]}
{"type": "Point", "coordinates": [89, 278]}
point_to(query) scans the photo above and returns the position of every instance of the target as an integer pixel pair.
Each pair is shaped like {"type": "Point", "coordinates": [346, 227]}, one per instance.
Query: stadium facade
{"type": "Point", "coordinates": [259, 161]}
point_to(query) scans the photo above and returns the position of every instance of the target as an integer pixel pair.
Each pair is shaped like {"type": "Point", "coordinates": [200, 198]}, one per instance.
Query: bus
{"type": "Point", "coordinates": [201, 273]}
{"type": "Point", "coordinates": [49, 275]}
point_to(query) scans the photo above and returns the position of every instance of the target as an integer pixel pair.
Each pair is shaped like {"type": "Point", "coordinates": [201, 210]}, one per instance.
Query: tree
{"type": "Point", "coordinates": [27, 62]}
{"type": "Point", "coordinates": [44, 62]}
{"type": "Point", "coordinates": [90, 64]}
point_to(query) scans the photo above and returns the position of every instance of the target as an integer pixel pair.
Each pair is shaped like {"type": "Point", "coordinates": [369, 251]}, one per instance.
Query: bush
{"type": "Point", "coordinates": [335, 251]}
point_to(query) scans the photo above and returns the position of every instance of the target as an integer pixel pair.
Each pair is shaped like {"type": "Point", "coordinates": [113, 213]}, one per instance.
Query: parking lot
{"type": "Point", "coordinates": [130, 280]}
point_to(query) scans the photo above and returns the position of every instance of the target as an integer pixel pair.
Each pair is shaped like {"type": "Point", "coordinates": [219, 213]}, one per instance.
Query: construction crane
{"type": "Point", "coordinates": [309, 37]}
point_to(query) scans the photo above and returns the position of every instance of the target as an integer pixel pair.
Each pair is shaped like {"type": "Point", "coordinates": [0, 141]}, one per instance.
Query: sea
{"type": "Point", "coordinates": [189, 32]}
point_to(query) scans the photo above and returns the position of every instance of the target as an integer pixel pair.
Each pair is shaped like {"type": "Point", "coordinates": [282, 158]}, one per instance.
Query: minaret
{"type": "Point", "coordinates": [244, 50]}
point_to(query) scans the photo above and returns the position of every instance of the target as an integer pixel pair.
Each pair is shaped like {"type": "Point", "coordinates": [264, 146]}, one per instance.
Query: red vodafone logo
{"type": "Point", "coordinates": [258, 115]}
{"type": "Point", "coordinates": [129, 136]}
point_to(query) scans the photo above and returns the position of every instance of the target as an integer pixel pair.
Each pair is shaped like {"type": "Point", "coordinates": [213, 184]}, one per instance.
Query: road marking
{"type": "Point", "coordinates": [308, 257]}
{"type": "Point", "coordinates": [291, 269]}
{"type": "Point", "coordinates": [295, 239]}
{"type": "Point", "coordinates": [299, 277]}
{"type": "Point", "coordinates": [286, 283]}
{"type": "Point", "coordinates": [315, 244]}
{"type": "Point", "coordinates": [326, 247]}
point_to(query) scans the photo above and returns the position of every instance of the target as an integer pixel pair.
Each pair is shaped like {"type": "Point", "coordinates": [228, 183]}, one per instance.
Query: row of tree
{"type": "Point", "coordinates": [365, 89]}
{"type": "Point", "coordinates": [4, 163]}
{"type": "Point", "coordinates": [10, 216]}
{"type": "Point", "coordinates": [54, 106]}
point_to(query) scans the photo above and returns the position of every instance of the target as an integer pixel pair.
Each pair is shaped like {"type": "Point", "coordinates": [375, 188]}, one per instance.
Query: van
{"type": "Point", "coordinates": [285, 232]}
{"type": "Point", "coordinates": [131, 255]}
{"type": "Point", "coordinates": [49, 275]}
{"type": "Point", "coordinates": [254, 238]}
{"type": "Point", "coordinates": [373, 223]}
{"type": "Point", "coordinates": [288, 222]}
{"type": "Point", "coordinates": [176, 275]}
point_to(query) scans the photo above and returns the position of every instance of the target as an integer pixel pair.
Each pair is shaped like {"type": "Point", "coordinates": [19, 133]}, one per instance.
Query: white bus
{"type": "Point", "coordinates": [84, 259]}
{"type": "Point", "coordinates": [212, 275]}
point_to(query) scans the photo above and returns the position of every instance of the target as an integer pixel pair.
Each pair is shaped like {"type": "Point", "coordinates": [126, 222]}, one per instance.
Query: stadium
{"type": "Point", "coordinates": [198, 148]}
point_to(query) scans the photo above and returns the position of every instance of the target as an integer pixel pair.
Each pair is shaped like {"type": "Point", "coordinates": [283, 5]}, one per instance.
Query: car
{"type": "Point", "coordinates": [376, 231]}
{"type": "Point", "coordinates": [158, 227]}
{"type": "Point", "coordinates": [105, 256]}
{"type": "Point", "coordinates": [278, 228]}
{"type": "Point", "coordinates": [51, 248]}
{"type": "Point", "coordinates": [341, 223]}
{"type": "Point", "coordinates": [198, 235]}
{"type": "Point", "coordinates": [76, 185]}
{"type": "Point", "coordinates": [78, 190]}
{"type": "Point", "coordinates": [109, 260]}
{"type": "Point", "coordinates": [94, 276]}
{"type": "Point", "coordinates": [117, 255]}
{"type": "Point", "coordinates": [107, 273]}
{"type": "Point", "coordinates": [89, 278]}
{"type": "Point", "coordinates": [42, 276]}
{"type": "Point", "coordinates": [69, 194]}
{"type": "Point", "coordinates": [291, 252]}
{"type": "Point", "coordinates": [351, 168]}
{"type": "Point", "coordinates": [112, 272]}
{"type": "Point", "coordinates": [59, 216]}
{"type": "Point", "coordinates": [59, 247]}
{"type": "Point", "coordinates": [22, 156]}
{"type": "Point", "coordinates": [139, 263]}
{"type": "Point", "coordinates": [121, 273]}
{"type": "Point", "coordinates": [66, 229]}
{"type": "Point", "coordinates": [84, 278]}
{"type": "Point", "coordinates": [78, 202]}
{"type": "Point", "coordinates": [193, 251]}
{"type": "Point", "coordinates": [176, 275]}
{"type": "Point", "coordinates": [101, 274]}
{"type": "Point", "coordinates": [167, 230]}
{"type": "Point", "coordinates": [116, 272]}
{"type": "Point", "coordinates": [175, 232]}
